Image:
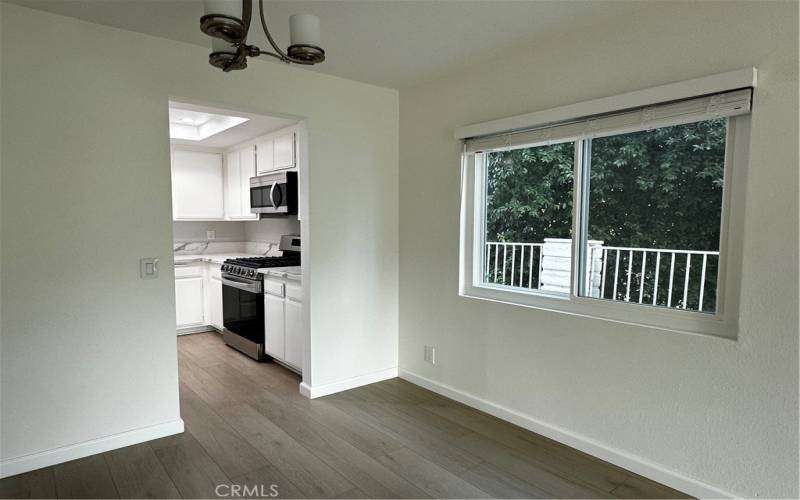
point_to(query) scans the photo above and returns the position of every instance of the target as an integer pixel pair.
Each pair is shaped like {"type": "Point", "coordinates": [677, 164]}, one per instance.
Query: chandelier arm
{"type": "Point", "coordinates": [247, 14]}
{"type": "Point", "coordinates": [272, 54]}
{"type": "Point", "coordinates": [278, 50]}
{"type": "Point", "coordinates": [280, 54]}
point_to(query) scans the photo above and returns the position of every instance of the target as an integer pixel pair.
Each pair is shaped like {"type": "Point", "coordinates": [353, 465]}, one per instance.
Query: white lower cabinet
{"type": "Point", "coordinates": [198, 305]}
{"type": "Point", "coordinates": [189, 296]}
{"type": "Point", "coordinates": [294, 339]}
{"type": "Point", "coordinates": [215, 301]}
{"type": "Point", "coordinates": [283, 321]}
{"type": "Point", "coordinates": [274, 344]}
{"type": "Point", "coordinates": [198, 297]}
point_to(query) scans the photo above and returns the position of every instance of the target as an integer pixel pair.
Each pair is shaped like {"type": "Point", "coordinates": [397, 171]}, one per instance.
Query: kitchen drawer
{"type": "Point", "coordinates": [215, 271]}
{"type": "Point", "coordinates": [188, 271]}
{"type": "Point", "coordinates": [274, 287]}
{"type": "Point", "coordinates": [294, 291]}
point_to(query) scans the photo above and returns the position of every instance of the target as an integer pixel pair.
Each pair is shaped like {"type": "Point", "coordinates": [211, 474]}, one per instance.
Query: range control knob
{"type": "Point", "coordinates": [224, 267]}
{"type": "Point", "coordinates": [252, 273]}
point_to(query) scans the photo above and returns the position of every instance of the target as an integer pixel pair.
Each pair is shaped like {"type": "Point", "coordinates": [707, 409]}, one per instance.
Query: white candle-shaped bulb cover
{"type": "Point", "coordinates": [304, 30]}
{"type": "Point", "coordinates": [231, 8]}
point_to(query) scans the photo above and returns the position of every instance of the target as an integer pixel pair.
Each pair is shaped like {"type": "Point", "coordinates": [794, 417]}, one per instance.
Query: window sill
{"type": "Point", "coordinates": [670, 320]}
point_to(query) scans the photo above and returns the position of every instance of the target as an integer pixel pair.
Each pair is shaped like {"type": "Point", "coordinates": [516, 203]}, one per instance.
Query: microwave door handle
{"type": "Point", "coordinates": [271, 192]}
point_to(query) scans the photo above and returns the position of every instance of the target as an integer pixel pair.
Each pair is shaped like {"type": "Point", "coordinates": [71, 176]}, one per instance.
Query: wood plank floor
{"type": "Point", "coordinates": [248, 427]}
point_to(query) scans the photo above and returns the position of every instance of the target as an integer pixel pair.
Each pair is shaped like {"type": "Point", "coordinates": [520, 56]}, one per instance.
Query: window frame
{"type": "Point", "coordinates": [722, 323]}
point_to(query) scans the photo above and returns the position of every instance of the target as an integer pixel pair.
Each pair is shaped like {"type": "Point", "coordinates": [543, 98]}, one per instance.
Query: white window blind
{"type": "Point", "coordinates": [725, 104]}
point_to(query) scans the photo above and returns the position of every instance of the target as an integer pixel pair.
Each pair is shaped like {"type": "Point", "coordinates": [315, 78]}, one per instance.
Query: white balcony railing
{"type": "Point", "coordinates": [510, 264]}
{"type": "Point", "coordinates": [666, 277]}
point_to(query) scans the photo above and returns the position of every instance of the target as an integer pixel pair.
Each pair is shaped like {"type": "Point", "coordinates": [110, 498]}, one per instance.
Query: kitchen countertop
{"type": "Point", "coordinates": [291, 272]}
{"type": "Point", "coordinates": [215, 258]}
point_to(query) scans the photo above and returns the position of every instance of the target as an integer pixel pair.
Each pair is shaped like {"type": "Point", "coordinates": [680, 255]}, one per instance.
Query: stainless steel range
{"type": "Point", "coordinates": [243, 297]}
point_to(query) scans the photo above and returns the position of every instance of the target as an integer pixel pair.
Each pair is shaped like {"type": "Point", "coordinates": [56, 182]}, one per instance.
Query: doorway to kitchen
{"type": "Point", "coordinates": [237, 210]}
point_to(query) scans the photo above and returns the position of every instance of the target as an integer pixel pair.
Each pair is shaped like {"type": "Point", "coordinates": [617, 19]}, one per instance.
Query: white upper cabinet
{"type": "Point", "coordinates": [239, 167]}
{"type": "Point", "coordinates": [284, 153]}
{"type": "Point", "coordinates": [265, 161]}
{"type": "Point", "coordinates": [277, 151]}
{"type": "Point", "coordinates": [197, 186]}
{"type": "Point", "coordinates": [206, 188]}
{"type": "Point", "coordinates": [233, 192]}
{"type": "Point", "coordinates": [248, 169]}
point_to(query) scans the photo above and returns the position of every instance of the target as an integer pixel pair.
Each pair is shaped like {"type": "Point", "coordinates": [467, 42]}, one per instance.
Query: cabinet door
{"type": "Point", "coordinates": [189, 302]}
{"type": "Point", "coordinates": [265, 162]}
{"type": "Point", "coordinates": [247, 163]}
{"type": "Point", "coordinates": [294, 333]}
{"type": "Point", "coordinates": [233, 188]}
{"type": "Point", "coordinates": [284, 151]}
{"type": "Point", "coordinates": [215, 303]}
{"type": "Point", "coordinates": [197, 186]}
{"type": "Point", "coordinates": [274, 326]}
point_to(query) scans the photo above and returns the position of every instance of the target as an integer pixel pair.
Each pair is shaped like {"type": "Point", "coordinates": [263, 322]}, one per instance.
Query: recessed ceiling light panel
{"type": "Point", "coordinates": [196, 126]}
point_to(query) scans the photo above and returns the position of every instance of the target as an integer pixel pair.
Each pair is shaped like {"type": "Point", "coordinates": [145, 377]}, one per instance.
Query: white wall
{"type": "Point", "coordinates": [196, 230]}
{"type": "Point", "coordinates": [271, 230]}
{"type": "Point", "coordinates": [89, 349]}
{"type": "Point", "coordinates": [717, 411]}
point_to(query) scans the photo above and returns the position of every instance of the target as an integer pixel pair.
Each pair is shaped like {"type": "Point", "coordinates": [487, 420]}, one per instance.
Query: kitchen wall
{"type": "Point", "coordinates": [702, 412]}
{"type": "Point", "coordinates": [264, 230]}
{"type": "Point", "coordinates": [88, 351]}
{"type": "Point", "coordinates": [196, 231]}
{"type": "Point", "coordinates": [271, 230]}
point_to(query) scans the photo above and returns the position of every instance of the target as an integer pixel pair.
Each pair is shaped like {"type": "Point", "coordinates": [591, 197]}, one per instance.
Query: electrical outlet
{"type": "Point", "coordinates": [430, 354]}
{"type": "Point", "coordinates": [211, 235]}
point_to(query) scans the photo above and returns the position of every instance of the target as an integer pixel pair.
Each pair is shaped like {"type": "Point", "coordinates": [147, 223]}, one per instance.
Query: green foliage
{"type": "Point", "coordinates": [657, 189]}
{"type": "Point", "coordinates": [529, 193]}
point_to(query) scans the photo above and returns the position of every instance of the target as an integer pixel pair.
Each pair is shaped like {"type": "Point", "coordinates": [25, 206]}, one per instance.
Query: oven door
{"type": "Point", "coordinates": [243, 309]}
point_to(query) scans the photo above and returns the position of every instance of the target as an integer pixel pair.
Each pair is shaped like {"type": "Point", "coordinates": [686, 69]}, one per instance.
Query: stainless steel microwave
{"type": "Point", "coordinates": [274, 193]}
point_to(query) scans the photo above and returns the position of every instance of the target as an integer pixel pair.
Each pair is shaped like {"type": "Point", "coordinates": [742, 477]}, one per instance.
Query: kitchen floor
{"type": "Point", "coordinates": [248, 430]}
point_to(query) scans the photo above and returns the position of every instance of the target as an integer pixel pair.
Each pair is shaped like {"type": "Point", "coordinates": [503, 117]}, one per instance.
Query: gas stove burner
{"type": "Point", "coordinates": [257, 262]}
{"type": "Point", "coordinates": [247, 267]}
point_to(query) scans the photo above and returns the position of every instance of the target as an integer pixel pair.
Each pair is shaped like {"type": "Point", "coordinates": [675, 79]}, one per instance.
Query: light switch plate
{"type": "Point", "coordinates": [148, 268]}
{"type": "Point", "coordinates": [211, 235]}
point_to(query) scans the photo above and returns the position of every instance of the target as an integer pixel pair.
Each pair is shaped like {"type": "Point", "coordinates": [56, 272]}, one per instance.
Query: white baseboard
{"type": "Point", "coordinates": [350, 383]}
{"type": "Point", "coordinates": [18, 465]}
{"type": "Point", "coordinates": [195, 329]}
{"type": "Point", "coordinates": [621, 458]}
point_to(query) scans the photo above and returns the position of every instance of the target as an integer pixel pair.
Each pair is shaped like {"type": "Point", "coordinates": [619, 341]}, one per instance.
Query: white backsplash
{"type": "Point", "coordinates": [267, 248]}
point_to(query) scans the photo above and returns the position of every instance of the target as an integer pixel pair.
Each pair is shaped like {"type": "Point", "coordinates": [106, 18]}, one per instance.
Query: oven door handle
{"type": "Point", "coordinates": [252, 287]}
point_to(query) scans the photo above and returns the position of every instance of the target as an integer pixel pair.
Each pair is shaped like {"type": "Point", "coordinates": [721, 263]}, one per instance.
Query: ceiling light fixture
{"type": "Point", "coordinates": [227, 22]}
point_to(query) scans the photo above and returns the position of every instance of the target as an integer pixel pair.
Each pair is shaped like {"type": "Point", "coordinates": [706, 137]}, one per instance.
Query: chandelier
{"type": "Point", "coordinates": [227, 22]}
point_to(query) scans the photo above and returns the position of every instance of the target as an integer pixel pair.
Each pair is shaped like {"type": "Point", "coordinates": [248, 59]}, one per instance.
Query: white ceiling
{"type": "Point", "coordinates": [392, 43]}
{"type": "Point", "coordinates": [255, 126]}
